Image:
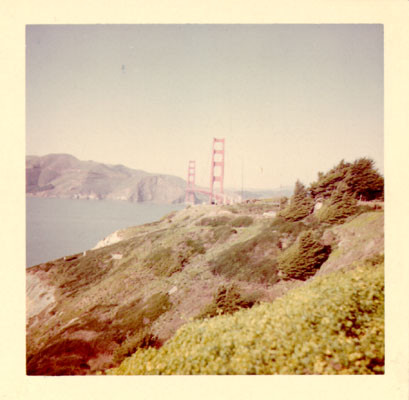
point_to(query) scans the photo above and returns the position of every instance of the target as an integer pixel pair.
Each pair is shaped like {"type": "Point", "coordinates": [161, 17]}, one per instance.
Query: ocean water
{"type": "Point", "coordinates": [60, 227]}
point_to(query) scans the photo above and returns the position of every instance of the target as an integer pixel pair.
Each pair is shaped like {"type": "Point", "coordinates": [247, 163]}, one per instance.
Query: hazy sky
{"type": "Point", "coordinates": [290, 100]}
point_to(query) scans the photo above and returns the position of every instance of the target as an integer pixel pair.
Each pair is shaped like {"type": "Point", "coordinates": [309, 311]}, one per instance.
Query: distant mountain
{"type": "Point", "coordinates": [64, 176]}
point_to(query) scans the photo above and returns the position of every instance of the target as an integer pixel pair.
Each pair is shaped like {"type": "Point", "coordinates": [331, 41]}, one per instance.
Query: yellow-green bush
{"type": "Point", "coordinates": [333, 325]}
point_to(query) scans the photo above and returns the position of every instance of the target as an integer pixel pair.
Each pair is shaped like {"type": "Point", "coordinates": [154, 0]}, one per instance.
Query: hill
{"type": "Point", "coordinates": [269, 286]}
{"type": "Point", "coordinates": [87, 312]}
{"type": "Point", "coordinates": [63, 175]}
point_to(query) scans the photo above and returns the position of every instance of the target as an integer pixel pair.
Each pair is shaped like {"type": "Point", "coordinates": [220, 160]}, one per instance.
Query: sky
{"type": "Point", "coordinates": [289, 100]}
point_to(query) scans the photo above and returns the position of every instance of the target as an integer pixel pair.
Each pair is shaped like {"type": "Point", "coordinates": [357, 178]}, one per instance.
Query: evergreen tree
{"type": "Point", "coordinates": [303, 259]}
{"type": "Point", "coordinates": [300, 205]}
{"type": "Point", "coordinates": [339, 207]}
{"type": "Point", "coordinates": [364, 181]}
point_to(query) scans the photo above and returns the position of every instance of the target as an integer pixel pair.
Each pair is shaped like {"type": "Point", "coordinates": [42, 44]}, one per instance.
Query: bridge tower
{"type": "Point", "coordinates": [217, 167]}
{"type": "Point", "coordinates": [191, 176]}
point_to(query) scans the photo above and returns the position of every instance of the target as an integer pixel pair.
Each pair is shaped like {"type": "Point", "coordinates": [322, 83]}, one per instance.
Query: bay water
{"type": "Point", "coordinates": [60, 227]}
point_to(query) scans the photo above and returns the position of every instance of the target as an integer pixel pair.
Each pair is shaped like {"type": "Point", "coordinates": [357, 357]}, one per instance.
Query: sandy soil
{"type": "Point", "coordinates": [39, 295]}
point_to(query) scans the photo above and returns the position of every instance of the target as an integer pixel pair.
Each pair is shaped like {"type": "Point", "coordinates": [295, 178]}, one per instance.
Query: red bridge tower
{"type": "Point", "coordinates": [191, 176]}
{"type": "Point", "coordinates": [217, 167]}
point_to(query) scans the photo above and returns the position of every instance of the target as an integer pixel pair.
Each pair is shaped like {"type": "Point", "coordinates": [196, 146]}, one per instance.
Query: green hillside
{"type": "Point", "coordinates": [333, 325]}
{"type": "Point", "coordinates": [291, 293]}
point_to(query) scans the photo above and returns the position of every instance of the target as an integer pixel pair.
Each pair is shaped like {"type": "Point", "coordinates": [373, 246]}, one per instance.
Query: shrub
{"type": "Point", "coordinates": [196, 246]}
{"type": "Point", "coordinates": [362, 180]}
{"type": "Point", "coordinates": [214, 221]}
{"type": "Point", "coordinates": [300, 204]}
{"type": "Point", "coordinates": [341, 205]}
{"type": "Point", "coordinates": [222, 233]}
{"type": "Point", "coordinates": [132, 323]}
{"type": "Point", "coordinates": [332, 325]}
{"type": "Point", "coordinates": [143, 339]}
{"type": "Point", "coordinates": [227, 300]}
{"type": "Point", "coordinates": [303, 259]}
{"type": "Point", "coordinates": [242, 221]}
{"type": "Point", "coordinates": [281, 225]}
{"type": "Point", "coordinates": [164, 262]}
{"type": "Point", "coordinates": [252, 260]}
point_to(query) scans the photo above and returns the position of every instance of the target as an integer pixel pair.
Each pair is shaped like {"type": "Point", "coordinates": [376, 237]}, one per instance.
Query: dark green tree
{"type": "Point", "coordinates": [364, 181]}
{"type": "Point", "coordinates": [339, 206]}
{"type": "Point", "coordinates": [328, 182]}
{"type": "Point", "coordinates": [301, 204]}
{"type": "Point", "coordinates": [303, 259]}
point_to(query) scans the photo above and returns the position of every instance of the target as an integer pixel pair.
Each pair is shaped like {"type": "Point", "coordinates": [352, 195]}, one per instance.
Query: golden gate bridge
{"type": "Point", "coordinates": [216, 192]}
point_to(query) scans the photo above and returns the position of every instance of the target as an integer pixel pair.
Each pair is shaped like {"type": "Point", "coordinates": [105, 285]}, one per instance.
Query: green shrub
{"type": "Point", "coordinates": [339, 207]}
{"type": "Point", "coordinates": [361, 179]}
{"type": "Point", "coordinates": [132, 324]}
{"type": "Point", "coordinates": [222, 233]}
{"type": "Point", "coordinates": [252, 260]}
{"type": "Point", "coordinates": [196, 246]}
{"type": "Point", "coordinates": [143, 339]}
{"type": "Point", "coordinates": [303, 259]}
{"type": "Point", "coordinates": [300, 206]}
{"type": "Point", "coordinates": [214, 221]}
{"type": "Point", "coordinates": [156, 305]}
{"type": "Point", "coordinates": [332, 325]}
{"type": "Point", "coordinates": [227, 300]}
{"type": "Point", "coordinates": [164, 262]}
{"type": "Point", "coordinates": [281, 225]}
{"type": "Point", "coordinates": [242, 221]}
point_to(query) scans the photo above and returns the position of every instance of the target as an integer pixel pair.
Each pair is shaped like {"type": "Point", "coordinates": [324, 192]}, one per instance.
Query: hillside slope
{"type": "Point", "coordinates": [333, 325]}
{"type": "Point", "coordinates": [62, 175]}
{"type": "Point", "coordinates": [99, 307]}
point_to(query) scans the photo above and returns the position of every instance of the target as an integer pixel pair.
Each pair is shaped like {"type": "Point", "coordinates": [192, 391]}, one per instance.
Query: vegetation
{"type": "Point", "coordinates": [303, 259]}
{"type": "Point", "coordinates": [133, 323]}
{"type": "Point", "coordinates": [339, 206]}
{"type": "Point", "coordinates": [195, 247]}
{"type": "Point", "coordinates": [242, 221]}
{"type": "Point", "coordinates": [222, 233]}
{"type": "Point", "coordinates": [129, 297]}
{"type": "Point", "coordinates": [362, 181]}
{"type": "Point", "coordinates": [214, 221]}
{"type": "Point", "coordinates": [255, 207]}
{"type": "Point", "coordinates": [282, 226]}
{"type": "Point", "coordinates": [164, 262]}
{"type": "Point", "coordinates": [227, 300]}
{"type": "Point", "coordinates": [300, 204]}
{"type": "Point", "coordinates": [333, 325]}
{"type": "Point", "coordinates": [251, 261]}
